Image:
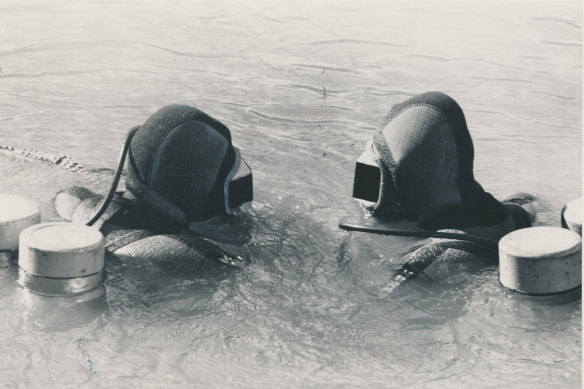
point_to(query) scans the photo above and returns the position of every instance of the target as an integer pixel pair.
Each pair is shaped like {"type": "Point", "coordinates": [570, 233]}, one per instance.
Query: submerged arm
{"type": "Point", "coordinates": [422, 257]}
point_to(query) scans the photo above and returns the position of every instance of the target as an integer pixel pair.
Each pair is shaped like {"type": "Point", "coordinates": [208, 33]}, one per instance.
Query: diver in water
{"type": "Point", "coordinates": [418, 168]}
{"type": "Point", "coordinates": [184, 176]}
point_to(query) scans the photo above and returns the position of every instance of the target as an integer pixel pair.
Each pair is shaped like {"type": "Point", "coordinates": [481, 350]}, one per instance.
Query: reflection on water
{"type": "Point", "coordinates": [52, 314]}
{"type": "Point", "coordinates": [302, 87]}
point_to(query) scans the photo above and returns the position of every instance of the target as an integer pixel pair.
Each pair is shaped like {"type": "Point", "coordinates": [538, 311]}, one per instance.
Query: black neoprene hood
{"type": "Point", "coordinates": [425, 146]}
{"type": "Point", "coordinates": [179, 162]}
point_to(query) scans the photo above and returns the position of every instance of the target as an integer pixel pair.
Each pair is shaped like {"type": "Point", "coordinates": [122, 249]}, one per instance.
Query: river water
{"type": "Point", "coordinates": [302, 86]}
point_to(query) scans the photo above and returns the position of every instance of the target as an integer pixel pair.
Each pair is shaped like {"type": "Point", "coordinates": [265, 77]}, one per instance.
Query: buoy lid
{"type": "Point", "coordinates": [16, 214]}
{"type": "Point", "coordinates": [539, 242]}
{"type": "Point", "coordinates": [61, 250]}
{"type": "Point", "coordinates": [62, 237]}
{"type": "Point", "coordinates": [541, 260]}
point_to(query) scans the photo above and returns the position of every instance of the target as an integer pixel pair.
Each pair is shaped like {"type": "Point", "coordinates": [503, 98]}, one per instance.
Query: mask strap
{"type": "Point", "coordinates": [112, 191]}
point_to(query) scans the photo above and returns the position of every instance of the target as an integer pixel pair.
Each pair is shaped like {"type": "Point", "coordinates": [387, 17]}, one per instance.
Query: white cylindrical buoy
{"type": "Point", "coordinates": [16, 214]}
{"type": "Point", "coordinates": [541, 260]}
{"type": "Point", "coordinates": [572, 215]}
{"type": "Point", "coordinates": [60, 258]}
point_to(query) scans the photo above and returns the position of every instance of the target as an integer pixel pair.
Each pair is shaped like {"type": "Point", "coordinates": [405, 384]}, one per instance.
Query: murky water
{"type": "Point", "coordinates": [302, 86]}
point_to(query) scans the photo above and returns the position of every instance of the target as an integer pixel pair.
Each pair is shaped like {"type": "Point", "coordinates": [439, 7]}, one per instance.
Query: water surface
{"type": "Point", "coordinates": [302, 86]}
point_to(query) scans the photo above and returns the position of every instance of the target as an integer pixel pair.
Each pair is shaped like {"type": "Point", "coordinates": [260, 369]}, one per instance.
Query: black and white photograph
{"type": "Point", "coordinates": [291, 194]}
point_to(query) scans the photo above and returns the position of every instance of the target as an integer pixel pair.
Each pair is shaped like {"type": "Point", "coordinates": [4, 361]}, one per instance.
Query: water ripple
{"type": "Point", "coordinates": [283, 119]}
{"type": "Point", "coordinates": [558, 20]}
{"type": "Point", "coordinates": [74, 73]}
{"type": "Point", "coordinates": [353, 41]}
{"type": "Point", "coordinates": [456, 59]}
{"type": "Point", "coordinates": [501, 79]}
{"type": "Point", "coordinates": [318, 90]}
{"type": "Point", "coordinates": [119, 43]}
{"type": "Point", "coordinates": [283, 21]}
{"type": "Point", "coordinates": [562, 97]}
{"type": "Point", "coordinates": [325, 67]}
{"type": "Point", "coordinates": [559, 43]}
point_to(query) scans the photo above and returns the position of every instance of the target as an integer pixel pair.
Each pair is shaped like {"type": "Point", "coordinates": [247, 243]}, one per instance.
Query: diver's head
{"type": "Point", "coordinates": [425, 157]}
{"type": "Point", "coordinates": [182, 163]}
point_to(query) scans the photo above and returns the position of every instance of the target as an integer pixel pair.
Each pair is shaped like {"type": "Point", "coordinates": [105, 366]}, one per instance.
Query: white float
{"type": "Point", "coordinates": [16, 214]}
{"type": "Point", "coordinates": [60, 258]}
{"type": "Point", "coordinates": [541, 260]}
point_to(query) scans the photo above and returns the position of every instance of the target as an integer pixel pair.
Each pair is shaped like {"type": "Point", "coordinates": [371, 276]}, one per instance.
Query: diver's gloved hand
{"type": "Point", "coordinates": [78, 204]}
{"type": "Point", "coordinates": [522, 213]}
{"type": "Point", "coordinates": [527, 205]}
{"type": "Point", "coordinates": [71, 203]}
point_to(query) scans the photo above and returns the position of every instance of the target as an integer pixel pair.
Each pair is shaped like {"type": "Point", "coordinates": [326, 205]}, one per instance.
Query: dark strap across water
{"type": "Point", "coordinates": [419, 233]}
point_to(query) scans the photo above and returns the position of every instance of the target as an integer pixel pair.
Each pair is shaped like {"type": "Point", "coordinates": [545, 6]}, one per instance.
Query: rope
{"type": "Point", "coordinates": [60, 160]}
